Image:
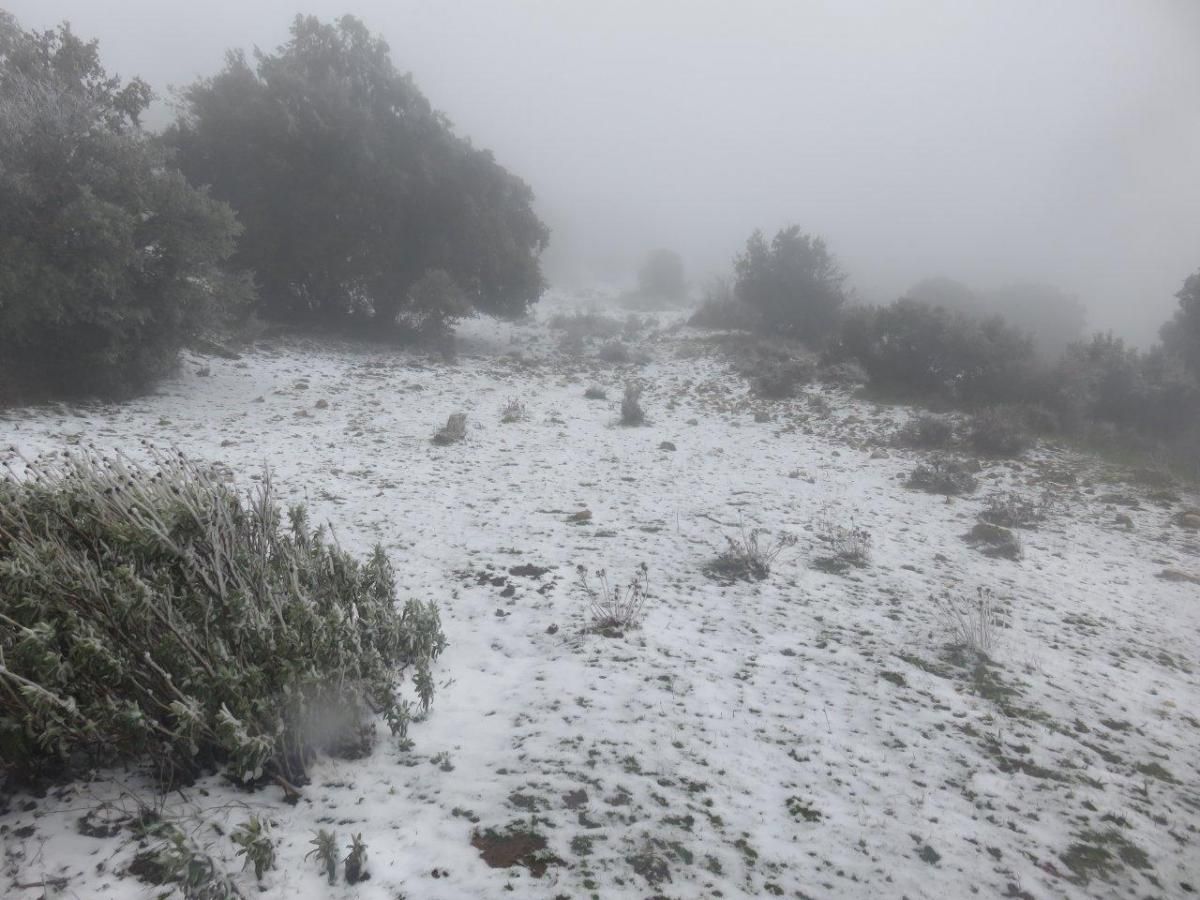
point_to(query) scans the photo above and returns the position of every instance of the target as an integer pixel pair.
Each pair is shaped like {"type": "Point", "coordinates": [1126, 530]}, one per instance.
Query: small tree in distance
{"type": "Point", "coordinates": [1181, 335]}
{"type": "Point", "coordinates": [353, 189]}
{"type": "Point", "coordinates": [793, 284]}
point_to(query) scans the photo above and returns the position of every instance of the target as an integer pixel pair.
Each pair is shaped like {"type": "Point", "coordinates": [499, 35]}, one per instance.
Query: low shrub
{"type": "Point", "coordinates": [845, 373]}
{"type": "Point", "coordinates": [614, 352]}
{"type": "Point", "coordinates": [151, 612]}
{"type": "Point", "coordinates": [780, 379]}
{"type": "Point", "coordinates": [943, 475]}
{"type": "Point", "coordinates": [926, 432]}
{"type": "Point", "coordinates": [583, 325]}
{"type": "Point", "coordinates": [927, 352]}
{"type": "Point", "coordinates": [998, 431]}
{"type": "Point", "coordinates": [720, 310]}
{"type": "Point", "coordinates": [850, 544]}
{"type": "Point", "coordinates": [632, 413]}
{"type": "Point", "coordinates": [1013, 510]}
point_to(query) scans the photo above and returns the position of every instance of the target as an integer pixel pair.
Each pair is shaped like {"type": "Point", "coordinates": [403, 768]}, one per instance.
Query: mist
{"type": "Point", "coordinates": [986, 142]}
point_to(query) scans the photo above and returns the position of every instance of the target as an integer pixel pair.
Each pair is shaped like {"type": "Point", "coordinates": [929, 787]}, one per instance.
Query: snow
{"type": "Point", "coordinates": [805, 736]}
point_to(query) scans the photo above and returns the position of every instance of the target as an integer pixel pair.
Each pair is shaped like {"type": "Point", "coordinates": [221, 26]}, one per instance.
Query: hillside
{"type": "Point", "coordinates": [819, 733]}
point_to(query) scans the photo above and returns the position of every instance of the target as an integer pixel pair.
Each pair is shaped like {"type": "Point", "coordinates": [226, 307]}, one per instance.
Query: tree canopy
{"type": "Point", "coordinates": [352, 188]}
{"type": "Point", "coordinates": [793, 284]}
{"type": "Point", "coordinates": [109, 260]}
{"type": "Point", "coordinates": [1181, 335]}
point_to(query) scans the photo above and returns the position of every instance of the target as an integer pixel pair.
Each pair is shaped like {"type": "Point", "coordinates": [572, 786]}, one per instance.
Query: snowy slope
{"type": "Point", "coordinates": [806, 736]}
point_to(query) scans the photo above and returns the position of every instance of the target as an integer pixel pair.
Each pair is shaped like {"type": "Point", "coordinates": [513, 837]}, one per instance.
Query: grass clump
{"type": "Point", "coordinates": [972, 624]}
{"type": "Point", "coordinates": [514, 411]}
{"type": "Point", "coordinates": [747, 557]}
{"type": "Point", "coordinates": [615, 607]}
{"type": "Point", "coordinates": [152, 612]}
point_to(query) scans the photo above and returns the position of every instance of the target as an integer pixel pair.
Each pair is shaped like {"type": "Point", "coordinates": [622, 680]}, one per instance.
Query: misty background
{"type": "Point", "coordinates": [988, 142]}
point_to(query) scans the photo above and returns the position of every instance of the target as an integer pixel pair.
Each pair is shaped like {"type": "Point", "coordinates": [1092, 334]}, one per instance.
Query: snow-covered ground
{"type": "Point", "coordinates": [810, 735]}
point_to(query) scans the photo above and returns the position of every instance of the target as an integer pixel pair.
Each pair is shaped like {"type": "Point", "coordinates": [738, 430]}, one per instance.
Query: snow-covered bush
{"type": "Point", "coordinates": [926, 432]}
{"type": "Point", "coordinates": [998, 431]}
{"type": "Point", "coordinates": [615, 607]}
{"type": "Point", "coordinates": [942, 475]}
{"type": "Point", "coordinates": [153, 612]}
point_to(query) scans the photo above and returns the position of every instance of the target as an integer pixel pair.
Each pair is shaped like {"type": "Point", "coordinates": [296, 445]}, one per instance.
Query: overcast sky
{"type": "Point", "coordinates": [1052, 140]}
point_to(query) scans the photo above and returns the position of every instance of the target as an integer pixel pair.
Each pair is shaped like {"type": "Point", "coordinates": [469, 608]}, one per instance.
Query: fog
{"type": "Point", "coordinates": [989, 142]}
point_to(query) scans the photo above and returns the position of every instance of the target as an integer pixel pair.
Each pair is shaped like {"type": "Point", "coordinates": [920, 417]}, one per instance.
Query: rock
{"type": "Point", "coordinates": [880, 454]}
{"type": "Point", "coordinates": [553, 629]}
{"type": "Point", "coordinates": [1123, 520]}
{"type": "Point", "coordinates": [454, 430]}
{"type": "Point", "coordinates": [584, 515]}
{"type": "Point", "coordinates": [994, 540]}
{"type": "Point", "coordinates": [666, 445]}
{"type": "Point", "coordinates": [762, 417]}
{"type": "Point", "coordinates": [1187, 518]}
{"type": "Point", "coordinates": [322, 404]}
{"type": "Point", "coordinates": [1176, 575]}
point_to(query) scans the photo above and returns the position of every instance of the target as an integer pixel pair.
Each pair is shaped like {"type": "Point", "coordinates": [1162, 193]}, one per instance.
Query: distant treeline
{"type": "Point", "coordinates": [944, 345]}
{"type": "Point", "coordinates": [314, 185]}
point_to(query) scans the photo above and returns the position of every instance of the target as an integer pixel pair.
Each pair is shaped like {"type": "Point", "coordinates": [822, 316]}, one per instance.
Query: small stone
{"type": "Point", "coordinates": [666, 445]}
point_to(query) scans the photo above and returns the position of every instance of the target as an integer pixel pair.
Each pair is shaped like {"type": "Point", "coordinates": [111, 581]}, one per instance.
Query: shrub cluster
{"type": "Point", "coordinates": [943, 475]}
{"type": "Point", "coordinates": [152, 612]}
{"type": "Point", "coordinates": [926, 432]}
{"type": "Point", "coordinates": [926, 352]}
{"type": "Point", "coordinates": [998, 431]}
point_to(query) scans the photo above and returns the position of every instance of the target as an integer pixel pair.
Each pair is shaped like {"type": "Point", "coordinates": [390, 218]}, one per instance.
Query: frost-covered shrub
{"type": "Point", "coordinates": [614, 352]}
{"type": "Point", "coordinates": [912, 349]}
{"type": "Point", "coordinates": [152, 612]}
{"type": "Point", "coordinates": [942, 475]}
{"type": "Point", "coordinates": [1012, 510]}
{"type": "Point", "coordinates": [580, 325]}
{"type": "Point", "coordinates": [998, 431]}
{"type": "Point", "coordinates": [926, 432]}
{"type": "Point", "coordinates": [780, 379]}
{"type": "Point", "coordinates": [720, 310]}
